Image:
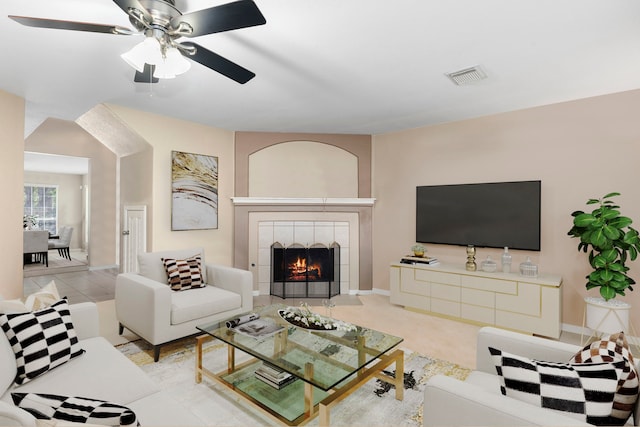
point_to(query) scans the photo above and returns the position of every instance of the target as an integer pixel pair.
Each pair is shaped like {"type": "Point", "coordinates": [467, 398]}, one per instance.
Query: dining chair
{"type": "Point", "coordinates": [62, 243]}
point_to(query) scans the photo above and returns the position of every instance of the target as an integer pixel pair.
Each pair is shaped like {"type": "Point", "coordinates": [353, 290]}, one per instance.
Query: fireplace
{"type": "Point", "coordinates": [305, 272]}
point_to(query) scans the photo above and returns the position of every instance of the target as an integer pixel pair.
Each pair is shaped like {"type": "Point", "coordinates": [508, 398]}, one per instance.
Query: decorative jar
{"type": "Point", "coordinates": [489, 265]}
{"type": "Point", "coordinates": [528, 269]}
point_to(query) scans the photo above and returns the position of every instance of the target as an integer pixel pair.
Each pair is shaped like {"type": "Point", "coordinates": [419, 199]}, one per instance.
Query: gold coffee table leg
{"type": "Point", "coordinates": [325, 415]}
{"type": "Point", "coordinates": [199, 341]}
{"type": "Point", "coordinates": [231, 358]}
{"type": "Point", "coordinates": [399, 383]}
{"type": "Point", "coordinates": [308, 390]}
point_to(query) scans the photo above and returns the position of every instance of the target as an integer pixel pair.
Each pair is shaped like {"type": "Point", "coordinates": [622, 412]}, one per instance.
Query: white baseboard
{"type": "Point", "coordinates": [103, 267]}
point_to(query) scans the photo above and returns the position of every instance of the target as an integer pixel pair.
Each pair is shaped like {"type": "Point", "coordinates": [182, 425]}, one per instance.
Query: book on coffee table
{"type": "Point", "coordinates": [258, 328]}
{"type": "Point", "coordinates": [274, 376]}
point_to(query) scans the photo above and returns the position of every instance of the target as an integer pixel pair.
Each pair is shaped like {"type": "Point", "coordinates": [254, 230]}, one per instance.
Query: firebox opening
{"type": "Point", "coordinates": [305, 272]}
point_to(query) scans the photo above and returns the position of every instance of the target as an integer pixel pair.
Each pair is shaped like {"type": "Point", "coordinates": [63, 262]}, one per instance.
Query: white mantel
{"type": "Point", "coordinates": [302, 201]}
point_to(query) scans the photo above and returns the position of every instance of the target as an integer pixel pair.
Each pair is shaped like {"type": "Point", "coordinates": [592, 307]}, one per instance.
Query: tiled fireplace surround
{"type": "Point", "coordinates": [262, 221]}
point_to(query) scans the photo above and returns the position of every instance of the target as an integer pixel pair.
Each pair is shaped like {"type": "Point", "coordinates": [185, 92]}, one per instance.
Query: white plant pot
{"type": "Point", "coordinates": [607, 316]}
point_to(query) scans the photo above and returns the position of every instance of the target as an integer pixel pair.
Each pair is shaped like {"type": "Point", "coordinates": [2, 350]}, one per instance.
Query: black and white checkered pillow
{"type": "Point", "coordinates": [611, 349]}
{"type": "Point", "coordinates": [583, 391]}
{"type": "Point", "coordinates": [41, 340]}
{"type": "Point", "coordinates": [183, 274]}
{"type": "Point", "coordinates": [75, 409]}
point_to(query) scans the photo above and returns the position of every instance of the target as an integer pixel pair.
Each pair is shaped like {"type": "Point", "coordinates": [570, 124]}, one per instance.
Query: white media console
{"type": "Point", "coordinates": [509, 300]}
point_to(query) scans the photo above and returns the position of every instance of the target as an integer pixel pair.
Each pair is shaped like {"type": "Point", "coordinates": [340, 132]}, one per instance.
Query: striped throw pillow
{"type": "Point", "coordinates": [612, 349]}
{"type": "Point", "coordinates": [41, 340]}
{"type": "Point", "coordinates": [584, 391]}
{"type": "Point", "coordinates": [183, 274]}
{"type": "Point", "coordinates": [75, 409]}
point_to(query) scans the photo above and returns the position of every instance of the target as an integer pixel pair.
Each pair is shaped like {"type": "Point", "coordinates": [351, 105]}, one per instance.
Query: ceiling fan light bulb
{"type": "Point", "coordinates": [176, 61]}
{"type": "Point", "coordinates": [146, 52]}
{"type": "Point", "coordinates": [136, 61]}
{"type": "Point", "coordinates": [173, 64]}
{"type": "Point", "coordinates": [150, 50]}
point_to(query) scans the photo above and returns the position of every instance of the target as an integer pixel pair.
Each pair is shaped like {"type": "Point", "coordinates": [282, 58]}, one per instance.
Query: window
{"type": "Point", "coordinates": [41, 201]}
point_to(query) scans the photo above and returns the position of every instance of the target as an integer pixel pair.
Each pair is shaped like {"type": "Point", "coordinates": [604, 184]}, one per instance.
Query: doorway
{"type": "Point", "coordinates": [66, 177]}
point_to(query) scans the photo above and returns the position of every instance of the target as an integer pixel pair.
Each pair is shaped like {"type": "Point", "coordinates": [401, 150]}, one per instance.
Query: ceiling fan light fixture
{"type": "Point", "coordinates": [173, 64]}
{"type": "Point", "coordinates": [147, 52]}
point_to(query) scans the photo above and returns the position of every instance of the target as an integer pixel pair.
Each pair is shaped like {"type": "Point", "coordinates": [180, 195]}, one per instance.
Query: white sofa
{"type": "Point", "coordinates": [477, 401]}
{"type": "Point", "coordinates": [146, 305]}
{"type": "Point", "coordinates": [102, 372]}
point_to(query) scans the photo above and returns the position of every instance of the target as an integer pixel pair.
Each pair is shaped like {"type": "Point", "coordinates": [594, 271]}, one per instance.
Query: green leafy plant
{"type": "Point", "coordinates": [610, 241]}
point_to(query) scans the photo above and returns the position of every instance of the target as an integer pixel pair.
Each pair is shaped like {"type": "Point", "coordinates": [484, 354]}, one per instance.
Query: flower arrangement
{"type": "Point", "coordinates": [29, 221]}
{"type": "Point", "coordinates": [305, 318]}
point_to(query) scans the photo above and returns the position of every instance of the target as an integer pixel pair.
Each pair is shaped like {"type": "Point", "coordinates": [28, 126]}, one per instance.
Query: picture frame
{"type": "Point", "coordinates": [194, 191]}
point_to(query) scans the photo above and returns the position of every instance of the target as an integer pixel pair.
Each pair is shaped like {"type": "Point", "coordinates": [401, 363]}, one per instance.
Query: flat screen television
{"type": "Point", "coordinates": [492, 215]}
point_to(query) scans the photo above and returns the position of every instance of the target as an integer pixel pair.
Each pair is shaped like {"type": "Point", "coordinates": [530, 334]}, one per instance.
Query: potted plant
{"type": "Point", "coordinates": [418, 250]}
{"type": "Point", "coordinates": [609, 240]}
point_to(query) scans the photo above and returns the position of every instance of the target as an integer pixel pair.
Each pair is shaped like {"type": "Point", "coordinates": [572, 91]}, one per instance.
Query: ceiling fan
{"type": "Point", "coordinates": [163, 25]}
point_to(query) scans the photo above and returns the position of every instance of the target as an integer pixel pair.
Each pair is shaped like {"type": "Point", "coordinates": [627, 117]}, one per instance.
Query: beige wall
{"type": "Point", "coordinates": [56, 136]}
{"type": "Point", "coordinates": [136, 186]}
{"type": "Point", "coordinates": [165, 134]}
{"type": "Point", "coordinates": [69, 200]}
{"type": "Point", "coordinates": [580, 150]}
{"type": "Point", "coordinates": [303, 169]}
{"type": "Point", "coordinates": [11, 172]}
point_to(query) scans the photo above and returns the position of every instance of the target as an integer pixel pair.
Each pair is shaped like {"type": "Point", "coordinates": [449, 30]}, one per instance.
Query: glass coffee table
{"type": "Point", "coordinates": [326, 366]}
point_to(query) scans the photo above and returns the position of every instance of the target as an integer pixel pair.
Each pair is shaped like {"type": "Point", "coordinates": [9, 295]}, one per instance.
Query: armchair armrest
{"type": "Point", "coordinates": [142, 305]}
{"type": "Point", "coordinates": [11, 415]}
{"type": "Point", "coordinates": [234, 280]}
{"type": "Point", "coordinates": [85, 319]}
{"type": "Point", "coordinates": [521, 344]}
{"type": "Point", "coordinates": [450, 402]}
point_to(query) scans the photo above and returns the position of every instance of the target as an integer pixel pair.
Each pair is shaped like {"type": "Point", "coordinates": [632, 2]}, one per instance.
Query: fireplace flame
{"type": "Point", "coordinates": [298, 269]}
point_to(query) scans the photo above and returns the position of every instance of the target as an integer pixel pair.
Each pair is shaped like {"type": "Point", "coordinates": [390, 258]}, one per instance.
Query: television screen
{"type": "Point", "coordinates": [491, 215]}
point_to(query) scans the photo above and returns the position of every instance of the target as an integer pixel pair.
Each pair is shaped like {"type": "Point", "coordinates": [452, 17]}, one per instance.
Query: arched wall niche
{"type": "Point", "coordinates": [248, 143]}
{"type": "Point", "coordinates": [303, 169]}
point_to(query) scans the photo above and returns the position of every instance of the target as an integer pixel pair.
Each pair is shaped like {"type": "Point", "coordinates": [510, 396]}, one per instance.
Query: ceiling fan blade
{"type": "Point", "coordinates": [217, 63]}
{"type": "Point", "coordinates": [70, 25]}
{"type": "Point", "coordinates": [146, 76]}
{"type": "Point", "coordinates": [230, 16]}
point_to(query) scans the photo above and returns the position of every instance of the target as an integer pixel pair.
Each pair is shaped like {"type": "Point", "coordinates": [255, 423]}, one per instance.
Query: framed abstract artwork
{"type": "Point", "coordinates": [194, 191]}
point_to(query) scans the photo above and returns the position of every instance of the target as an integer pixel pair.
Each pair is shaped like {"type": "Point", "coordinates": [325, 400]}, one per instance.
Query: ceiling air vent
{"type": "Point", "coordinates": [467, 76]}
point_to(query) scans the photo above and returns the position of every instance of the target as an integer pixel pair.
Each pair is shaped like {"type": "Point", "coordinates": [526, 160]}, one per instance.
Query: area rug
{"type": "Point", "coordinates": [373, 404]}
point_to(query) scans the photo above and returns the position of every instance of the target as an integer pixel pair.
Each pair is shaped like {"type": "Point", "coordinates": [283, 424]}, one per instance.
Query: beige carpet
{"type": "Point", "coordinates": [441, 338]}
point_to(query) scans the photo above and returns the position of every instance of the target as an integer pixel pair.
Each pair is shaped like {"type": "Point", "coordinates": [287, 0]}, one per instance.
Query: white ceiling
{"type": "Point", "coordinates": [335, 66]}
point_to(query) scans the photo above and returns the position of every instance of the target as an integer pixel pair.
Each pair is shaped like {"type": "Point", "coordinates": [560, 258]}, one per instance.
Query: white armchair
{"type": "Point", "coordinates": [477, 401]}
{"type": "Point", "coordinates": [148, 307]}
